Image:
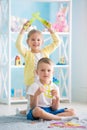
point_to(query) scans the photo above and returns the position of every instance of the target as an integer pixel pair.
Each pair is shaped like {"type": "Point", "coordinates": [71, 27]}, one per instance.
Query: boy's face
{"type": "Point", "coordinates": [35, 42]}
{"type": "Point", "coordinates": [45, 72]}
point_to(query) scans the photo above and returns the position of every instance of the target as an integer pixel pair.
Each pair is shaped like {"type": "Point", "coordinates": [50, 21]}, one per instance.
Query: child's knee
{"type": "Point", "coordinates": [71, 111]}
{"type": "Point", "coordinates": [37, 112]}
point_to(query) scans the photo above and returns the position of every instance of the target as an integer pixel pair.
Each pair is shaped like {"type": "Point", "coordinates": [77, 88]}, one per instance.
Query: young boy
{"type": "Point", "coordinates": [45, 97]}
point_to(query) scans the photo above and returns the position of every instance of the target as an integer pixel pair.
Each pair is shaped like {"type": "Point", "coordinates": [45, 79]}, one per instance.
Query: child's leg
{"type": "Point", "coordinates": [40, 113]}
{"type": "Point", "coordinates": [68, 115]}
{"type": "Point", "coordinates": [67, 112]}
{"type": "Point", "coordinates": [23, 112]}
{"type": "Point", "coordinates": [20, 112]}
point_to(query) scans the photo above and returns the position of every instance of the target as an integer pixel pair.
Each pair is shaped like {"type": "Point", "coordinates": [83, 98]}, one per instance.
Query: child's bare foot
{"type": "Point", "coordinates": [69, 118]}
{"type": "Point", "coordinates": [20, 112]}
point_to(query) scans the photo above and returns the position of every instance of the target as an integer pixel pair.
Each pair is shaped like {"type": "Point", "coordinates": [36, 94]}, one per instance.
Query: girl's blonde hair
{"type": "Point", "coordinates": [34, 31]}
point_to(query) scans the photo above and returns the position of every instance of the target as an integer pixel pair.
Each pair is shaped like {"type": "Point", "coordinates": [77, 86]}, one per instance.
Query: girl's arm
{"type": "Point", "coordinates": [55, 42]}
{"type": "Point", "coordinates": [19, 45]}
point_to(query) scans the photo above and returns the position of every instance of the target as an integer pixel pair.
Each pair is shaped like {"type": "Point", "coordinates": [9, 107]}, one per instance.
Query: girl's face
{"type": "Point", "coordinates": [45, 73]}
{"type": "Point", "coordinates": [35, 41]}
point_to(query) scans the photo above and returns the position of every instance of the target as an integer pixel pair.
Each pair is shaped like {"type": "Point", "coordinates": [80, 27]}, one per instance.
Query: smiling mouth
{"type": "Point", "coordinates": [46, 76]}
{"type": "Point", "coordinates": [35, 45]}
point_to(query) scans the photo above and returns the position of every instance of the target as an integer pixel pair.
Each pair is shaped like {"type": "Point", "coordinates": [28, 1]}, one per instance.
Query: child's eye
{"type": "Point", "coordinates": [33, 39]}
{"type": "Point", "coordinates": [42, 70]}
{"type": "Point", "coordinates": [38, 39]}
{"type": "Point", "coordinates": [49, 70]}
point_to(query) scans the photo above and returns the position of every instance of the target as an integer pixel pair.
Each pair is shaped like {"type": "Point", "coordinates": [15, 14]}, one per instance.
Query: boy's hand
{"type": "Point", "coordinates": [54, 92]}
{"type": "Point", "coordinates": [40, 90]}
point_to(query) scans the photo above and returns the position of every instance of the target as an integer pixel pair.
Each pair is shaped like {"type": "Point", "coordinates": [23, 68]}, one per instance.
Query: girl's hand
{"type": "Point", "coordinates": [25, 27]}
{"type": "Point", "coordinates": [48, 26]}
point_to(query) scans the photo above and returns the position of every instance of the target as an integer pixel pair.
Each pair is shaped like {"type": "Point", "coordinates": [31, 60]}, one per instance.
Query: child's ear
{"type": "Point", "coordinates": [53, 72]}
{"type": "Point", "coordinates": [27, 41]}
{"type": "Point", "coordinates": [36, 72]}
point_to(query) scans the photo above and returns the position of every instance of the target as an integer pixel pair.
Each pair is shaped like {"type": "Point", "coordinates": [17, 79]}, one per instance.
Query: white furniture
{"type": "Point", "coordinates": [10, 74]}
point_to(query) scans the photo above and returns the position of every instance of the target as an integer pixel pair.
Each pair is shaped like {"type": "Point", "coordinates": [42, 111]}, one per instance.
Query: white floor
{"type": "Point", "coordinates": [80, 108]}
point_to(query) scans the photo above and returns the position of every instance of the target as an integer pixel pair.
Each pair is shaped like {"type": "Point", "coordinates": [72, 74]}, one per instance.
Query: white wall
{"type": "Point", "coordinates": [79, 51]}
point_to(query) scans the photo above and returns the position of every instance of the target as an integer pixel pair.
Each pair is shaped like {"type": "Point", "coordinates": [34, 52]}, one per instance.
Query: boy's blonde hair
{"type": "Point", "coordinates": [45, 60]}
{"type": "Point", "coordinates": [34, 31]}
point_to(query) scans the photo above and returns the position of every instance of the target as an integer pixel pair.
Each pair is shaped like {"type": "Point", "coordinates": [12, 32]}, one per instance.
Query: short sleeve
{"type": "Point", "coordinates": [32, 89]}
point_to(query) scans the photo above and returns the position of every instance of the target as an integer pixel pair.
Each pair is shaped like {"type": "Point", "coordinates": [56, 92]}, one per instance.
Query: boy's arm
{"type": "Point", "coordinates": [55, 103]}
{"type": "Point", "coordinates": [34, 98]}
{"type": "Point", "coordinates": [33, 101]}
{"type": "Point", "coordinates": [55, 99]}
